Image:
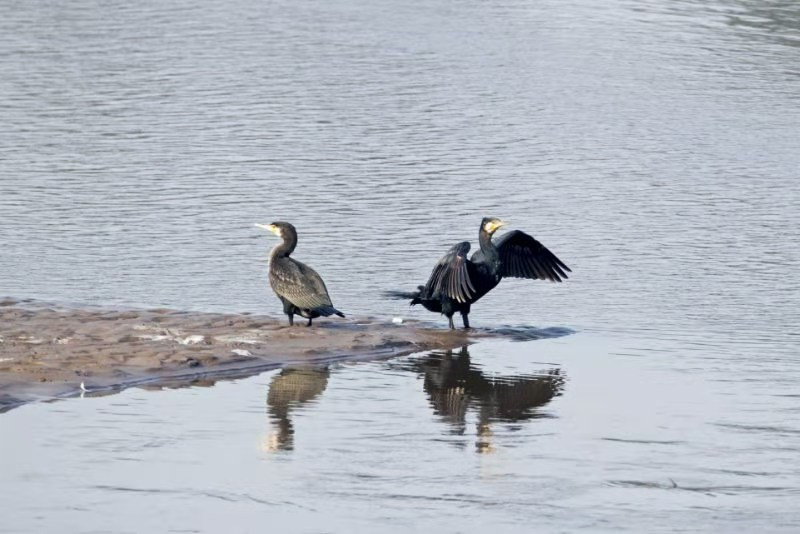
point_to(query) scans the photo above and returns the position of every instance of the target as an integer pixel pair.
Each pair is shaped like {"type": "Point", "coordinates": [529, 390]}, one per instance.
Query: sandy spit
{"type": "Point", "coordinates": [49, 351]}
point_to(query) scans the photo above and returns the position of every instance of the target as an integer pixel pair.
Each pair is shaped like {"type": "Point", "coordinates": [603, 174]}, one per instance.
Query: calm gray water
{"type": "Point", "coordinates": [653, 145]}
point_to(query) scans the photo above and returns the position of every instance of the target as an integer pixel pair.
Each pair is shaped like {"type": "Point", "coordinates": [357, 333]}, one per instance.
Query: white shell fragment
{"type": "Point", "coordinates": [191, 340]}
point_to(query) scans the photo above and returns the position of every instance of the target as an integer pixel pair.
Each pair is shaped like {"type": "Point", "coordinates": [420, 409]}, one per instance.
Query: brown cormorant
{"type": "Point", "coordinates": [457, 282]}
{"type": "Point", "coordinates": [299, 287]}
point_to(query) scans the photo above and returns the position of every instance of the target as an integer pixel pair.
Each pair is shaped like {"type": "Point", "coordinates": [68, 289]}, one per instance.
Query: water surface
{"type": "Point", "coordinates": [653, 146]}
{"type": "Point", "coordinates": [565, 434]}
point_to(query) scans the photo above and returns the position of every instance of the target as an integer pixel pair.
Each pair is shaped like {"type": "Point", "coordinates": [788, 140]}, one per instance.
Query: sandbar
{"type": "Point", "coordinates": [49, 351]}
{"type": "Point", "coordinates": [54, 351]}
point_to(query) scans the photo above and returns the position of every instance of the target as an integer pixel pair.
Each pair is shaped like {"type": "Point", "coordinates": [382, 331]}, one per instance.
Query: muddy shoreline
{"type": "Point", "coordinates": [48, 351]}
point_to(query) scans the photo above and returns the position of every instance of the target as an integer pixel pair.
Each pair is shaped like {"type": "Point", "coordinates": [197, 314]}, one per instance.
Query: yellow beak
{"type": "Point", "coordinates": [493, 226]}
{"type": "Point", "coordinates": [269, 227]}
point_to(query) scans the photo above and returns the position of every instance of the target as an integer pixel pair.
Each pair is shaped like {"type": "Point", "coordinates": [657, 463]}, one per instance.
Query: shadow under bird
{"type": "Point", "coordinates": [299, 287]}
{"type": "Point", "coordinates": [457, 282]}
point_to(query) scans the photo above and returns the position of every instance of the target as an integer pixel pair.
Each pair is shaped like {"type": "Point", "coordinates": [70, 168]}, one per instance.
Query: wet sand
{"type": "Point", "coordinates": [49, 351]}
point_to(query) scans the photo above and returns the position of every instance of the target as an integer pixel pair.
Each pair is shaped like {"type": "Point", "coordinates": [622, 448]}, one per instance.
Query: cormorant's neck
{"type": "Point", "coordinates": [285, 248]}
{"type": "Point", "coordinates": [487, 247]}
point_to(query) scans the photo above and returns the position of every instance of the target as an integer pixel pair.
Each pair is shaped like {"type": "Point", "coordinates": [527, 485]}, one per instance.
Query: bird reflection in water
{"type": "Point", "coordinates": [455, 387]}
{"type": "Point", "coordinates": [289, 390]}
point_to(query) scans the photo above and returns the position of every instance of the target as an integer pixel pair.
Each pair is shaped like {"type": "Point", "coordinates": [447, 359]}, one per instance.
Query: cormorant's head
{"type": "Point", "coordinates": [491, 224]}
{"type": "Point", "coordinates": [280, 229]}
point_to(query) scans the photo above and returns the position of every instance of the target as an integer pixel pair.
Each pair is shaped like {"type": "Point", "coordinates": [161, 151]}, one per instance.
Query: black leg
{"type": "Point", "coordinates": [450, 319]}
{"type": "Point", "coordinates": [288, 309]}
{"type": "Point", "coordinates": [309, 322]}
{"type": "Point", "coordinates": [465, 318]}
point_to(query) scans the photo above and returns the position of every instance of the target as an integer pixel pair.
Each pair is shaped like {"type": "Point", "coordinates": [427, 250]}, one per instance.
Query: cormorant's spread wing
{"type": "Point", "coordinates": [450, 276]}
{"type": "Point", "coordinates": [522, 256]}
{"type": "Point", "coordinates": [301, 285]}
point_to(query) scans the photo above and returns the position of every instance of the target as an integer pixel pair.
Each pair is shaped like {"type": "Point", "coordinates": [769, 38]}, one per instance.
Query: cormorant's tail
{"type": "Point", "coordinates": [328, 311]}
{"type": "Point", "coordinates": [414, 296]}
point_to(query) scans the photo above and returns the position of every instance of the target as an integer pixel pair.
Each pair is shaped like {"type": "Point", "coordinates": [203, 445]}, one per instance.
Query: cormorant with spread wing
{"type": "Point", "coordinates": [299, 287]}
{"type": "Point", "coordinates": [457, 282]}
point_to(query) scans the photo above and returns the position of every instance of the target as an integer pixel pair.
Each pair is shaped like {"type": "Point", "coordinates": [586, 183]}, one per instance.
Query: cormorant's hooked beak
{"type": "Point", "coordinates": [492, 226]}
{"type": "Point", "coordinates": [271, 227]}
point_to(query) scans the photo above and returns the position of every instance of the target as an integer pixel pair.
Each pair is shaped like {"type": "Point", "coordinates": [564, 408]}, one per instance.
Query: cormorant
{"type": "Point", "coordinates": [299, 287]}
{"type": "Point", "coordinates": [457, 282]}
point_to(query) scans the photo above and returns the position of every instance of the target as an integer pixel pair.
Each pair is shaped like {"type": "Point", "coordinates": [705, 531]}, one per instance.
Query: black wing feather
{"type": "Point", "coordinates": [450, 276]}
{"type": "Point", "coordinates": [522, 256]}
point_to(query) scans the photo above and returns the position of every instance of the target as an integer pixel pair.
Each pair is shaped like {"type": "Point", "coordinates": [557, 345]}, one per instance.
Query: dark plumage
{"type": "Point", "coordinates": [299, 287]}
{"type": "Point", "coordinates": [457, 282]}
